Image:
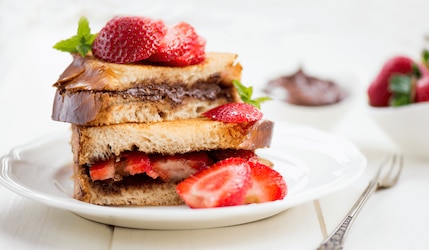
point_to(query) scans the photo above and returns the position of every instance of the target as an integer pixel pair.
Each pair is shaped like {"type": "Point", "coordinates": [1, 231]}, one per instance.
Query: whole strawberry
{"type": "Point", "coordinates": [127, 39]}
{"type": "Point", "coordinates": [378, 91]}
{"type": "Point", "coordinates": [422, 89]}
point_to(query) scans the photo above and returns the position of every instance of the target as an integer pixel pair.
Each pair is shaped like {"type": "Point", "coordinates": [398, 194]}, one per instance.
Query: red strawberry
{"type": "Point", "coordinates": [424, 70]}
{"type": "Point", "coordinates": [223, 184]}
{"type": "Point", "coordinates": [422, 89]}
{"type": "Point", "coordinates": [128, 39]}
{"type": "Point", "coordinates": [228, 153]}
{"type": "Point", "coordinates": [378, 91]}
{"type": "Point", "coordinates": [181, 166]}
{"type": "Point", "coordinates": [194, 55]}
{"type": "Point", "coordinates": [234, 112]}
{"type": "Point", "coordinates": [102, 170]}
{"type": "Point", "coordinates": [267, 184]}
{"type": "Point", "coordinates": [178, 40]}
{"type": "Point", "coordinates": [137, 163]}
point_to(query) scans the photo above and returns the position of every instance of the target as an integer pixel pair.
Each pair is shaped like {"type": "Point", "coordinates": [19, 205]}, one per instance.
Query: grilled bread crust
{"type": "Point", "coordinates": [92, 92]}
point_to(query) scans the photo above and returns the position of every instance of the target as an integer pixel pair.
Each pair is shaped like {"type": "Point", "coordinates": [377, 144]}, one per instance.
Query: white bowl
{"type": "Point", "coordinates": [322, 117]}
{"type": "Point", "coordinates": [407, 126]}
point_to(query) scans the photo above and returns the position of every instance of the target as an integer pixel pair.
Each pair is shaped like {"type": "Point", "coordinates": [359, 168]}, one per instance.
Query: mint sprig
{"type": "Point", "coordinates": [246, 95]}
{"type": "Point", "coordinates": [81, 42]}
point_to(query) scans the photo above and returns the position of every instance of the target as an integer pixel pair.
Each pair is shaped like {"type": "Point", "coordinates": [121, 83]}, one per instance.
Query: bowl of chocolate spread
{"type": "Point", "coordinates": [309, 99]}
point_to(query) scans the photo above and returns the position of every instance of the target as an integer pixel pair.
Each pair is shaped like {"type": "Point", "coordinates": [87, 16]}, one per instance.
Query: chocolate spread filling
{"type": "Point", "coordinates": [302, 89]}
{"type": "Point", "coordinates": [176, 93]}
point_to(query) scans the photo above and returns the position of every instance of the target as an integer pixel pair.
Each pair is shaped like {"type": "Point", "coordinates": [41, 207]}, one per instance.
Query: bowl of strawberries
{"type": "Point", "coordinates": [398, 101]}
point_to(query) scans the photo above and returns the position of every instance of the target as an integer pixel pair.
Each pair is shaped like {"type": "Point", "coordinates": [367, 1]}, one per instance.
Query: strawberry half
{"type": "Point", "coordinates": [267, 184]}
{"type": "Point", "coordinates": [102, 170]}
{"type": "Point", "coordinates": [181, 166]}
{"type": "Point", "coordinates": [127, 39]}
{"type": "Point", "coordinates": [223, 184]}
{"type": "Point", "coordinates": [195, 54]}
{"type": "Point", "coordinates": [178, 41]}
{"type": "Point", "coordinates": [235, 112]}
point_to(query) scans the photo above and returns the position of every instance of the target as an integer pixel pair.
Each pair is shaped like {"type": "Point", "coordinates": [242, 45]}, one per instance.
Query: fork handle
{"type": "Point", "coordinates": [336, 239]}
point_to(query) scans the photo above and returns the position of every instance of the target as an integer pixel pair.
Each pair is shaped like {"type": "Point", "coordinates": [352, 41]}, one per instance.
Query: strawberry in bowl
{"type": "Point", "coordinates": [398, 101]}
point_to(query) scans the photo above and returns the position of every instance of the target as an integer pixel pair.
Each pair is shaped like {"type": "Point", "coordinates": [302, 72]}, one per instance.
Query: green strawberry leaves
{"type": "Point", "coordinates": [81, 42]}
{"type": "Point", "coordinates": [246, 95]}
{"type": "Point", "coordinates": [402, 87]}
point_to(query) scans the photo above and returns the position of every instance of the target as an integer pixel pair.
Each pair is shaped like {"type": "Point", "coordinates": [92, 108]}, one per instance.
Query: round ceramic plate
{"type": "Point", "coordinates": [312, 162]}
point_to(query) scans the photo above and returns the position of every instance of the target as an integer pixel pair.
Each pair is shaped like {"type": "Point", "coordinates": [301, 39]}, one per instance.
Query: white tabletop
{"type": "Point", "coordinates": [271, 37]}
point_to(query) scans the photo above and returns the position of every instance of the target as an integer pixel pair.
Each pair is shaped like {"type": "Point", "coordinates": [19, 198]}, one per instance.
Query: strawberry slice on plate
{"type": "Point", "coordinates": [267, 184]}
{"type": "Point", "coordinates": [235, 112]}
{"type": "Point", "coordinates": [223, 184]}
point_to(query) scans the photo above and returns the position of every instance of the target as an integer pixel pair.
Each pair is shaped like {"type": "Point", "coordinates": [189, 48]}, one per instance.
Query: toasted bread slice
{"type": "Point", "coordinates": [91, 92]}
{"type": "Point", "coordinates": [92, 144]}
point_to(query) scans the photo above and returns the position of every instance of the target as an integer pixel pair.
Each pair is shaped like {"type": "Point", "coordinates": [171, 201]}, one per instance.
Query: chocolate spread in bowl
{"type": "Point", "coordinates": [304, 90]}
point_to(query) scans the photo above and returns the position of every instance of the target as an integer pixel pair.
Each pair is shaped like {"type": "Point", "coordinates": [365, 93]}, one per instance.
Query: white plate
{"type": "Point", "coordinates": [312, 162]}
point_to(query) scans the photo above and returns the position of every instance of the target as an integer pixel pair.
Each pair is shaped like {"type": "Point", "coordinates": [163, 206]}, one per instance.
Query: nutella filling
{"type": "Point", "coordinates": [176, 93]}
{"type": "Point", "coordinates": [302, 89]}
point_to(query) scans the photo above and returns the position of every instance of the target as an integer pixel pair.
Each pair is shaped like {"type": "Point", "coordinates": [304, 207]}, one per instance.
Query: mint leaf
{"type": "Point", "coordinates": [83, 27]}
{"type": "Point", "coordinates": [246, 95]}
{"type": "Point", "coordinates": [81, 42]}
{"type": "Point", "coordinates": [401, 87]}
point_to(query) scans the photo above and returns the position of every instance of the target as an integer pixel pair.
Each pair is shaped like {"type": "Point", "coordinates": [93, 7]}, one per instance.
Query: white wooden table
{"type": "Point", "coordinates": [271, 37]}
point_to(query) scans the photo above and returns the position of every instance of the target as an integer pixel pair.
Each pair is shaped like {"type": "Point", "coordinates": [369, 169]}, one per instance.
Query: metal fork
{"type": "Point", "coordinates": [386, 177]}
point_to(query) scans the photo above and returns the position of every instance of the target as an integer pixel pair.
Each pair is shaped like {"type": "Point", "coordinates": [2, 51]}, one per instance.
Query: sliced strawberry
{"type": "Point", "coordinates": [228, 153]}
{"type": "Point", "coordinates": [179, 39]}
{"type": "Point", "coordinates": [422, 89]}
{"type": "Point", "coordinates": [127, 39]}
{"type": "Point", "coordinates": [267, 184]}
{"type": "Point", "coordinates": [102, 170]}
{"type": "Point", "coordinates": [181, 166]}
{"type": "Point", "coordinates": [235, 112]}
{"type": "Point", "coordinates": [223, 184]}
{"type": "Point", "coordinates": [195, 54]}
{"type": "Point", "coordinates": [137, 163]}
{"type": "Point", "coordinates": [378, 91]}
